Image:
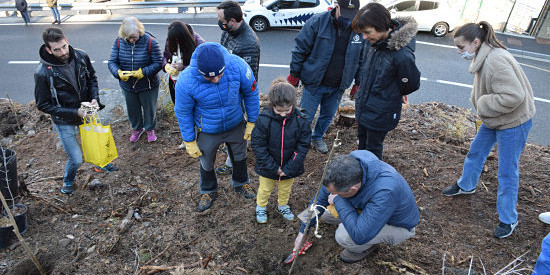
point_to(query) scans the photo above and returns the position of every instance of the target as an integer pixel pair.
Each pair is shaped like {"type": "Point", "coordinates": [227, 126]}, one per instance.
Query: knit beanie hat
{"type": "Point", "coordinates": [210, 60]}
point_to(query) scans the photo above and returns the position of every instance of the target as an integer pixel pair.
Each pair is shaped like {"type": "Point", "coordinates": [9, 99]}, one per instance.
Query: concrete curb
{"type": "Point", "coordinates": [73, 19]}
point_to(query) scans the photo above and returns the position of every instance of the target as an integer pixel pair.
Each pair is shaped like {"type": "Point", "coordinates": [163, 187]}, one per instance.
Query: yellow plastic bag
{"type": "Point", "coordinates": [98, 145]}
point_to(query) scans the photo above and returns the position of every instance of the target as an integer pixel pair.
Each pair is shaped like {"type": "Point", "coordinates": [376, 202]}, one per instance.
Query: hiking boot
{"type": "Point", "coordinates": [206, 201]}
{"type": "Point", "coordinates": [67, 188]}
{"type": "Point", "coordinates": [504, 230]}
{"type": "Point", "coordinates": [286, 212]}
{"type": "Point", "coordinates": [261, 214]}
{"type": "Point", "coordinates": [136, 134]}
{"type": "Point", "coordinates": [246, 190]}
{"type": "Point", "coordinates": [182, 145]}
{"type": "Point", "coordinates": [108, 168]}
{"type": "Point", "coordinates": [545, 217]}
{"type": "Point", "coordinates": [224, 170]}
{"type": "Point", "coordinates": [454, 190]}
{"type": "Point", "coordinates": [151, 137]}
{"type": "Point", "coordinates": [349, 257]}
{"type": "Point", "coordinates": [320, 146]}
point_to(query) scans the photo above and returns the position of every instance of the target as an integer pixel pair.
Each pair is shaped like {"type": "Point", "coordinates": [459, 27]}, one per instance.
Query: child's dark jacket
{"type": "Point", "coordinates": [280, 142]}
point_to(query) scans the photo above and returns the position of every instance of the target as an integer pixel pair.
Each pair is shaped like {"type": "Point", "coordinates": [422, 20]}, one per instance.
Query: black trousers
{"type": "Point", "coordinates": [371, 140]}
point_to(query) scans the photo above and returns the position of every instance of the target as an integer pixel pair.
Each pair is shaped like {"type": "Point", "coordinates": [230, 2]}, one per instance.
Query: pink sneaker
{"type": "Point", "coordinates": [136, 134]}
{"type": "Point", "coordinates": [151, 136]}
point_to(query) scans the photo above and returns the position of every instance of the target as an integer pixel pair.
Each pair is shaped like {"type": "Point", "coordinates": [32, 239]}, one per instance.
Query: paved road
{"type": "Point", "coordinates": [445, 76]}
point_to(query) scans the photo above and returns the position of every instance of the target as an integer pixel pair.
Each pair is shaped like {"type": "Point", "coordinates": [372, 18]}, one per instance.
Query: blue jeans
{"type": "Point", "coordinates": [329, 99]}
{"type": "Point", "coordinates": [26, 16]}
{"type": "Point", "coordinates": [510, 145]}
{"type": "Point", "coordinates": [56, 15]}
{"type": "Point", "coordinates": [67, 135]}
{"type": "Point", "coordinates": [142, 109]}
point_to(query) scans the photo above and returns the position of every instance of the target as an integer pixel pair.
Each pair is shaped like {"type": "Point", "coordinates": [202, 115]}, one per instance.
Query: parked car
{"type": "Point", "coordinates": [433, 16]}
{"type": "Point", "coordinates": [281, 13]}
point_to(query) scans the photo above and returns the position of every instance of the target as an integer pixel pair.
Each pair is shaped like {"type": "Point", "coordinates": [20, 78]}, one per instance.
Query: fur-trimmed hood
{"type": "Point", "coordinates": [405, 30]}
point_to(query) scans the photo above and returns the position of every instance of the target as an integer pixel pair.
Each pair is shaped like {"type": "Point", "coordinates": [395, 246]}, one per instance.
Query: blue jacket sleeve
{"type": "Point", "coordinates": [322, 199]}
{"type": "Point", "coordinates": [408, 74]}
{"type": "Point", "coordinates": [249, 92]}
{"type": "Point", "coordinates": [304, 44]}
{"type": "Point", "coordinates": [114, 62]}
{"type": "Point", "coordinates": [156, 60]}
{"type": "Point", "coordinates": [184, 107]}
{"type": "Point", "coordinates": [543, 262]}
{"type": "Point", "coordinates": [366, 225]}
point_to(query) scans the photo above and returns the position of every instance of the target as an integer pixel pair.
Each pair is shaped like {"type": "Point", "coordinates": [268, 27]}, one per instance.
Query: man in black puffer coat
{"type": "Point", "coordinates": [239, 39]}
{"type": "Point", "coordinates": [237, 36]}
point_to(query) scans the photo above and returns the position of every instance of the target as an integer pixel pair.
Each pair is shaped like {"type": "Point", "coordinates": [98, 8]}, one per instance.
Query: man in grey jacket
{"type": "Point", "coordinates": [239, 39]}
{"type": "Point", "coordinates": [326, 58]}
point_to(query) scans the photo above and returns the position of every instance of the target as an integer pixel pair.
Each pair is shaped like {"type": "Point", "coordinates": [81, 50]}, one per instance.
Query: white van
{"type": "Point", "coordinates": [433, 16]}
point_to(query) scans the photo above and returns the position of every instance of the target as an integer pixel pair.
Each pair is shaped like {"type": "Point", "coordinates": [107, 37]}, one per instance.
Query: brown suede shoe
{"type": "Point", "coordinates": [349, 257]}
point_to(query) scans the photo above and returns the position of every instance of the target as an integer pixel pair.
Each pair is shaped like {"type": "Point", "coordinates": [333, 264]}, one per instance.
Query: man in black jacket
{"type": "Point", "coordinates": [237, 36]}
{"type": "Point", "coordinates": [64, 79]}
{"type": "Point", "coordinates": [326, 58]}
{"type": "Point", "coordinates": [239, 39]}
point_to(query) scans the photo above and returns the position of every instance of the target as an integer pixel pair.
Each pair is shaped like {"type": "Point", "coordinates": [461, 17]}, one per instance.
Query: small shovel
{"type": "Point", "coordinates": [305, 246]}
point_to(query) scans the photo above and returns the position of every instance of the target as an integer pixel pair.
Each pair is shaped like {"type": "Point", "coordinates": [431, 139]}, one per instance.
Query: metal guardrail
{"type": "Point", "coordinates": [120, 5]}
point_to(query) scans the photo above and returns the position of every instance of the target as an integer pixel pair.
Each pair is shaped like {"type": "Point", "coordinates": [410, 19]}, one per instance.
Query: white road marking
{"type": "Point", "coordinates": [440, 81]}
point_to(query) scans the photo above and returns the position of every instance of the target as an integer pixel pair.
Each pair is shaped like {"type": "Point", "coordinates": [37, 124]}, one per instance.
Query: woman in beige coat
{"type": "Point", "coordinates": [503, 99]}
{"type": "Point", "coordinates": [53, 6]}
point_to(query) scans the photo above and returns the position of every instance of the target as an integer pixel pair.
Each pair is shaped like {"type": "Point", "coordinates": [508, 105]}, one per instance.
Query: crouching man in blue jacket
{"type": "Point", "coordinates": [212, 95]}
{"type": "Point", "coordinates": [373, 204]}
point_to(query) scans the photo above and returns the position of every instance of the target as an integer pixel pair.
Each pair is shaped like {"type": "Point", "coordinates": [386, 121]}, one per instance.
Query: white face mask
{"type": "Point", "coordinates": [468, 56]}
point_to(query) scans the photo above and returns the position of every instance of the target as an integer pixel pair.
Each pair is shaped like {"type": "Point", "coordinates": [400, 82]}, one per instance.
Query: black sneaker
{"type": "Point", "coordinates": [320, 146]}
{"type": "Point", "coordinates": [246, 190]}
{"type": "Point", "coordinates": [454, 190]}
{"type": "Point", "coordinates": [504, 230]}
{"type": "Point", "coordinates": [206, 201]}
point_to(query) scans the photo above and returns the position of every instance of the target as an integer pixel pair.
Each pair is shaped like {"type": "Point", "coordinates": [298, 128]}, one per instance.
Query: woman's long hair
{"type": "Point", "coordinates": [481, 30]}
{"type": "Point", "coordinates": [179, 34]}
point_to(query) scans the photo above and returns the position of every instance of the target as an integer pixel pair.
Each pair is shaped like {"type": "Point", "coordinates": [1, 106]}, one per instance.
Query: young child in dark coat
{"type": "Point", "coordinates": [280, 141]}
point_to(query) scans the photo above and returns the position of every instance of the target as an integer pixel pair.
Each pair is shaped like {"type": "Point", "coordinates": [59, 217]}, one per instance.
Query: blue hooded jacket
{"type": "Point", "coordinates": [384, 198]}
{"type": "Point", "coordinates": [215, 108]}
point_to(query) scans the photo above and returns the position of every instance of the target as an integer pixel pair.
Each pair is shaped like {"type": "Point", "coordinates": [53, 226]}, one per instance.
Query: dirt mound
{"type": "Point", "coordinates": [159, 183]}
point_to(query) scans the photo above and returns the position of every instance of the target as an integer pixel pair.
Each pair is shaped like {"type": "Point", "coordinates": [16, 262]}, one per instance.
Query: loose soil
{"type": "Point", "coordinates": [79, 233]}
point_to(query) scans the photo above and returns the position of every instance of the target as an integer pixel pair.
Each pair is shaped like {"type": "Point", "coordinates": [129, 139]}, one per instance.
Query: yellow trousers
{"type": "Point", "coordinates": [266, 187]}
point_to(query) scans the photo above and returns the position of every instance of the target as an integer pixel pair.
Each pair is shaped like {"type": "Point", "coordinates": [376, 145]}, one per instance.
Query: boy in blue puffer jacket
{"type": "Point", "coordinates": [280, 142]}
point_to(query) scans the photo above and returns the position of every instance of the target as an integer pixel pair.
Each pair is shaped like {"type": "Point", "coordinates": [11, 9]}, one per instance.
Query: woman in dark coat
{"type": "Point", "coordinates": [388, 74]}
